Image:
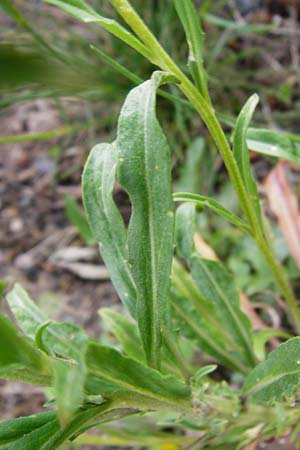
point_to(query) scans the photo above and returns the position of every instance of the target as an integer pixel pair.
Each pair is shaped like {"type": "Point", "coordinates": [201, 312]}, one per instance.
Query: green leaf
{"type": "Point", "coordinates": [185, 229]}
{"type": "Point", "coordinates": [28, 315]}
{"type": "Point", "coordinates": [37, 438]}
{"type": "Point", "coordinates": [200, 320]}
{"type": "Point", "coordinates": [262, 337]}
{"type": "Point", "coordinates": [278, 377]}
{"type": "Point", "coordinates": [202, 201]}
{"type": "Point", "coordinates": [241, 152]}
{"type": "Point", "coordinates": [59, 340]}
{"type": "Point", "coordinates": [81, 11]}
{"type": "Point", "coordinates": [217, 285]}
{"type": "Point", "coordinates": [67, 343]}
{"type": "Point", "coordinates": [126, 333]}
{"type": "Point", "coordinates": [145, 173]}
{"type": "Point", "coordinates": [3, 285]}
{"type": "Point", "coordinates": [204, 371]}
{"type": "Point", "coordinates": [69, 380]}
{"type": "Point", "coordinates": [12, 11]}
{"type": "Point", "coordinates": [271, 143]}
{"type": "Point", "coordinates": [11, 430]}
{"type": "Point", "coordinates": [190, 172]}
{"type": "Point", "coordinates": [78, 219]}
{"type": "Point", "coordinates": [126, 374]}
{"type": "Point", "coordinates": [194, 34]}
{"type": "Point", "coordinates": [105, 220]}
{"type": "Point", "coordinates": [19, 360]}
{"type": "Point", "coordinates": [239, 27]}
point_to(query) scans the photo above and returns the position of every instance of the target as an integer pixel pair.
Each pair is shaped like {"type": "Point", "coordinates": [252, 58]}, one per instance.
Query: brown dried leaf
{"type": "Point", "coordinates": [284, 205]}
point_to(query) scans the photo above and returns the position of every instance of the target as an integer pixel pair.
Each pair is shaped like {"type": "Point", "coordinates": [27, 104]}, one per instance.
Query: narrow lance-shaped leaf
{"type": "Point", "coordinates": [203, 201]}
{"type": "Point", "coordinates": [11, 430]}
{"type": "Point", "coordinates": [81, 11]}
{"type": "Point", "coordinates": [201, 320]}
{"type": "Point", "coordinates": [145, 173]}
{"type": "Point", "coordinates": [272, 143]}
{"type": "Point", "coordinates": [105, 219]}
{"type": "Point", "coordinates": [241, 152]}
{"type": "Point", "coordinates": [191, 23]}
{"type": "Point", "coordinates": [126, 374]}
{"type": "Point", "coordinates": [278, 377]}
{"type": "Point", "coordinates": [269, 142]}
{"type": "Point", "coordinates": [37, 438]}
{"type": "Point", "coordinates": [216, 284]}
{"type": "Point", "coordinates": [205, 317]}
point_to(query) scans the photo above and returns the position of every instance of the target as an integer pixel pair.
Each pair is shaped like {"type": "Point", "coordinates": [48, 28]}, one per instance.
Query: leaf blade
{"type": "Point", "coordinates": [278, 376]}
{"type": "Point", "coordinates": [105, 220]}
{"type": "Point", "coordinates": [203, 201]}
{"type": "Point", "coordinates": [144, 172]}
{"type": "Point", "coordinates": [241, 152]}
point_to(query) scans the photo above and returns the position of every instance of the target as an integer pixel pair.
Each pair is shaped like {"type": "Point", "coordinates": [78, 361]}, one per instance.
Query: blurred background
{"type": "Point", "coordinates": [59, 97]}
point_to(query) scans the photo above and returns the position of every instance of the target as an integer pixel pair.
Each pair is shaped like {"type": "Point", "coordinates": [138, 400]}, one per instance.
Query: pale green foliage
{"type": "Point", "coordinates": [278, 377]}
{"type": "Point", "coordinates": [185, 310]}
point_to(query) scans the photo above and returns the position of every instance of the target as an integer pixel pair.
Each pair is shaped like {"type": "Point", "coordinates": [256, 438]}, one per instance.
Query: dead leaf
{"type": "Point", "coordinates": [284, 205]}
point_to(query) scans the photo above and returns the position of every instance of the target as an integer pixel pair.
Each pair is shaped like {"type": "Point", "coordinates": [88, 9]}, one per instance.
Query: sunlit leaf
{"type": "Point", "coordinates": [272, 143]}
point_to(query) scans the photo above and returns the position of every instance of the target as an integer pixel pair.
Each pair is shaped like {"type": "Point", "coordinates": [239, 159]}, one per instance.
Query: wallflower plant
{"type": "Point", "coordinates": [179, 304]}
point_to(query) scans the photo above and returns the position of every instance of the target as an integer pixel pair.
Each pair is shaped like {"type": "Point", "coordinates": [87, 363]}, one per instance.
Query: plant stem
{"type": "Point", "coordinates": [208, 116]}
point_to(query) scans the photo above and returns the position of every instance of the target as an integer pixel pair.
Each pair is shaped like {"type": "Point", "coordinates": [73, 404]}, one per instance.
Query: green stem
{"type": "Point", "coordinates": [208, 115]}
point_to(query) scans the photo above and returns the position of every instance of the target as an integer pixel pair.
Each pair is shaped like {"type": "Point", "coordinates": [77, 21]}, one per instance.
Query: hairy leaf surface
{"type": "Point", "coordinates": [11, 430]}
{"type": "Point", "coordinates": [278, 377]}
{"type": "Point", "coordinates": [126, 374]}
{"type": "Point", "coordinates": [105, 220]}
{"type": "Point", "coordinates": [145, 173]}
